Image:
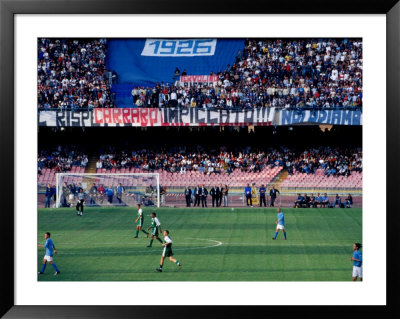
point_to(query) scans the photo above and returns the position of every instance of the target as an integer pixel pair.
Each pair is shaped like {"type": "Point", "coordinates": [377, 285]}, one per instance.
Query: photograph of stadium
{"type": "Point", "coordinates": [199, 159]}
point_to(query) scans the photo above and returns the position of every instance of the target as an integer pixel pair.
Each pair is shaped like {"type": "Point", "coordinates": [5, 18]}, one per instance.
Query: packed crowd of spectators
{"type": "Point", "coordinates": [180, 160]}
{"type": "Point", "coordinates": [72, 74]}
{"type": "Point", "coordinates": [297, 73]}
{"type": "Point", "coordinates": [335, 162]}
{"type": "Point", "coordinates": [287, 73]}
{"type": "Point", "coordinates": [61, 158]}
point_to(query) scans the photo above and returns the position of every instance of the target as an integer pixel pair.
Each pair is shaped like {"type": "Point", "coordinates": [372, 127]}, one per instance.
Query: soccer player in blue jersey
{"type": "Point", "coordinates": [49, 245]}
{"type": "Point", "coordinates": [280, 224]}
{"type": "Point", "coordinates": [357, 262]}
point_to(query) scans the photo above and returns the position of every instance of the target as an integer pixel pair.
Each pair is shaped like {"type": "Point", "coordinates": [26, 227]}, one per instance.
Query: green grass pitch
{"type": "Point", "coordinates": [217, 244]}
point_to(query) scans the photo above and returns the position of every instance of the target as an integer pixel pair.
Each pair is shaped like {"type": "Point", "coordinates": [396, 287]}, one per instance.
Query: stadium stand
{"type": "Point", "coordinates": [330, 169]}
{"type": "Point", "coordinates": [72, 74]}
{"type": "Point", "coordinates": [297, 73]}
{"type": "Point", "coordinates": [244, 74]}
{"type": "Point", "coordinates": [320, 180]}
{"type": "Point", "coordinates": [287, 73]}
{"type": "Point", "coordinates": [337, 162]}
{"type": "Point", "coordinates": [308, 170]}
{"type": "Point", "coordinates": [191, 178]}
{"type": "Point", "coordinates": [48, 176]}
{"type": "Point", "coordinates": [60, 159]}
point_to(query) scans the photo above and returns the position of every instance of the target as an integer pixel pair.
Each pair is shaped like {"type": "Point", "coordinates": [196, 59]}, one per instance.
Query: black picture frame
{"type": "Point", "coordinates": [8, 9]}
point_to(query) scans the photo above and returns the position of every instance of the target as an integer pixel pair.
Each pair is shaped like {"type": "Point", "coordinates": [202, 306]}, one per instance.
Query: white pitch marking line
{"type": "Point", "coordinates": [218, 243]}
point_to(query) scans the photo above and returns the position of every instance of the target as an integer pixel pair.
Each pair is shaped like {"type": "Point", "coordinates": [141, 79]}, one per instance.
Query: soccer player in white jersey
{"type": "Point", "coordinates": [167, 252]}
{"type": "Point", "coordinates": [139, 222]}
{"type": "Point", "coordinates": [155, 229]}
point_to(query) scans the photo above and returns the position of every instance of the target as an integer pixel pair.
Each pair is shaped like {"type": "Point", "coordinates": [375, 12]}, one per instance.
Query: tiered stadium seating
{"type": "Point", "coordinates": [235, 179]}
{"type": "Point", "coordinates": [49, 176]}
{"type": "Point", "coordinates": [319, 180]}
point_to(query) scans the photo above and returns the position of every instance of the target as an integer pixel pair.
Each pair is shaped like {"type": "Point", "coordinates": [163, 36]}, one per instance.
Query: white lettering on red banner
{"type": "Point", "coordinates": [199, 78]}
{"type": "Point", "coordinates": [145, 117]}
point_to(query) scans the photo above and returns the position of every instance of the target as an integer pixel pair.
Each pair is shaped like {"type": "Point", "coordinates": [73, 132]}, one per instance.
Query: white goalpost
{"type": "Point", "coordinates": [108, 189]}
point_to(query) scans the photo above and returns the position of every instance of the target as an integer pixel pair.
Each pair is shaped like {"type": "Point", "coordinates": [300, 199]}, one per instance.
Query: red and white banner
{"type": "Point", "coordinates": [134, 116]}
{"type": "Point", "coordinates": [183, 117]}
{"type": "Point", "coordinates": [189, 79]}
{"type": "Point", "coordinates": [145, 117]}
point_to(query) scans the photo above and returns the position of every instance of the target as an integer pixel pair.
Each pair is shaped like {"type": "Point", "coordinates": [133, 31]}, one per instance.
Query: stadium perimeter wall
{"type": "Point", "coordinates": [176, 198]}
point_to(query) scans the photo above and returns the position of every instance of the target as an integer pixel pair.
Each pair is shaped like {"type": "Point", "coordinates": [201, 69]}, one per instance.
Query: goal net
{"type": "Point", "coordinates": [108, 189]}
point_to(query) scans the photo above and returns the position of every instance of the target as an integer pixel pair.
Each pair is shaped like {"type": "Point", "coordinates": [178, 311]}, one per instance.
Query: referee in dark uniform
{"type": "Point", "coordinates": [213, 193]}
{"type": "Point", "coordinates": [197, 195]}
{"type": "Point", "coordinates": [204, 193]}
{"type": "Point", "coordinates": [272, 193]}
{"type": "Point", "coordinates": [218, 194]}
{"type": "Point", "coordinates": [188, 196]}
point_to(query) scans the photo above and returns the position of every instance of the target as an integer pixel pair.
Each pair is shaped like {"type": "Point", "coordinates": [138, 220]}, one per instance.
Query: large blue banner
{"type": "Point", "coordinates": [335, 117]}
{"type": "Point", "coordinates": [144, 62]}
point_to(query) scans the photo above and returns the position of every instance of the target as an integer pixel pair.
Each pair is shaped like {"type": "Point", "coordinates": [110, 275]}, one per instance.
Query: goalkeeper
{"type": "Point", "coordinates": [79, 205]}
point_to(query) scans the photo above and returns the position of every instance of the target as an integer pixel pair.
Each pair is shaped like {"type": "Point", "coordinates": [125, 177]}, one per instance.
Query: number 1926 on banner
{"type": "Point", "coordinates": [179, 47]}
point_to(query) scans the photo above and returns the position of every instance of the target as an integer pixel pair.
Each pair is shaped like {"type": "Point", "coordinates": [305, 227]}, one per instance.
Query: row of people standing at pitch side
{"type": "Point", "coordinates": [50, 194]}
{"type": "Point", "coordinates": [272, 193]}
{"type": "Point", "coordinates": [262, 191]}
{"type": "Point", "coordinates": [218, 195]}
{"type": "Point", "coordinates": [322, 201]}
